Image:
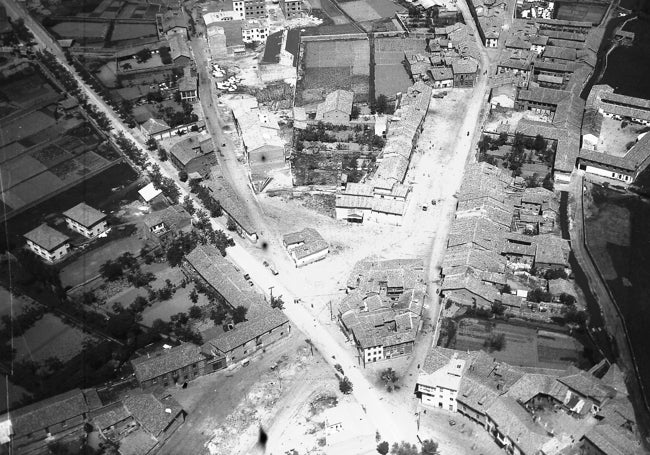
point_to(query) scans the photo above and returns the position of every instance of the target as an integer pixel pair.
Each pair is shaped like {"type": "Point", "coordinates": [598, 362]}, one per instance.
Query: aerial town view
{"type": "Point", "coordinates": [327, 227]}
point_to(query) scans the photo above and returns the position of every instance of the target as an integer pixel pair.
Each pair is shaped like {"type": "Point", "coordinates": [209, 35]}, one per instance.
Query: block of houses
{"type": "Point", "coordinates": [417, 65]}
{"type": "Point", "coordinates": [167, 223]}
{"type": "Point", "coordinates": [48, 243]}
{"type": "Point", "coordinates": [253, 31]}
{"type": "Point", "coordinates": [188, 86]}
{"type": "Point", "coordinates": [172, 22]}
{"type": "Point", "coordinates": [86, 220]}
{"type": "Point", "coordinates": [336, 108]}
{"type": "Point", "coordinates": [291, 8]}
{"type": "Point", "coordinates": [253, 9]}
{"type": "Point", "coordinates": [265, 326]}
{"type": "Point", "coordinates": [150, 194]}
{"type": "Point", "coordinates": [465, 73]}
{"type": "Point", "coordinates": [193, 154]}
{"type": "Point", "coordinates": [164, 368]}
{"type": "Point", "coordinates": [305, 246]}
{"type": "Point", "coordinates": [442, 77]}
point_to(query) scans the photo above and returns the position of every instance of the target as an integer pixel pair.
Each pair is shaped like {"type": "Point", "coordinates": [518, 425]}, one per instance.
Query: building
{"type": "Point", "coordinates": [167, 223]}
{"type": "Point", "coordinates": [253, 9]}
{"type": "Point", "coordinates": [465, 73]}
{"type": "Point", "coordinates": [234, 208]}
{"type": "Point", "coordinates": [492, 38]}
{"type": "Point", "coordinates": [48, 243]}
{"type": "Point", "coordinates": [194, 154]}
{"type": "Point", "coordinates": [442, 77]}
{"type": "Point", "coordinates": [86, 220]}
{"type": "Point", "coordinates": [254, 32]}
{"type": "Point", "coordinates": [150, 194]}
{"type": "Point", "coordinates": [60, 418]}
{"type": "Point", "coordinates": [439, 381]}
{"type": "Point", "coordinates": [263, 327]}
{"type": "Point", "coordinates": [171, 366]}
{"type": "Point", "coordinates": [280, 57]}
{"type": "Point", "coordinates": [179, 50]}
{"type": "Point", "coordinates": [592, 123]}
{"type": "Point", "coordinates": [188, 86]}
{"type": "Point", "coordinates": [291, 8]}
{"type": "Point", "coordinates": [418, 66]}
{"type": "Point", "coordinates": [155, 128]}
{"type": "Point", "coordinates": [305, 246]}
{"type": "Point", "coordinates": [336, 109]}
{"type": "Point", "coordinates": [172, 22]}
{"type": "Point", "coordinates": [503, 97]}
{"type": "Point", "coordinates": [541, 100]}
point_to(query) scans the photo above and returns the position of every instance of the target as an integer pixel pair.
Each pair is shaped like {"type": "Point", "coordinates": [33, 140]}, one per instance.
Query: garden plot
{"type": "Point", "coordinates": [354, 54]}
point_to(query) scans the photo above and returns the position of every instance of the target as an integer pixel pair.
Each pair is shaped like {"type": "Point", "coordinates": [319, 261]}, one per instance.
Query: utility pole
{"type": "Point", "coordinates": [331, 315]}
{"type": "Point", "coordinates": [271, 291]}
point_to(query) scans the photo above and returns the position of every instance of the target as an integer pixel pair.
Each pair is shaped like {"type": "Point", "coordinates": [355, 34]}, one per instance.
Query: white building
{"type": "Point", "coordinates": [86, 220]}
{"type": "Point", "coordinates": [48, 243]}
{"type": "Point", "coordinates": [254, 31]}
{"type": "Point", "coordinates": [305, 246]}
{"type": "Point", "coordinates": [440, 388]}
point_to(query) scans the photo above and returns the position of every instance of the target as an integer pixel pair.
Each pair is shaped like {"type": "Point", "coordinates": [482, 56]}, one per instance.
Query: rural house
{"type": "Point", "coordinates": [169, 366]}
{"type": "Point", "coordinates": [264, 326]}
{"type": "Point", "coordinates": [442, 77]}
{"type": "Point", "coordinates": [305, 246]}
{"type": "Point", "coordinates": [193, 154]}
{"type": "Point", "coordinates": [48, 243]}
{"type": "Point", "coordinates": [439, 380]}
{"type": "Point", "coordinates": [336, 108]}
{"type": "Point", "coordinates": [166, 223]}
{"type": "Point", "coordinates": [465, 73]}
{"type": "Point", "coordinates": [188, 86]}
{"type": "Point", "coordinates": [179, 50]}
{"type": "Point", "coordinates": [86, 220]}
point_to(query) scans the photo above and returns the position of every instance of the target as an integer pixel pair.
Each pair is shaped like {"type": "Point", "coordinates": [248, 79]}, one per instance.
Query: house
{"type": "Point", "coordinates": [58, 418]}
{"type": "Point", "coordinates": [417, 65]}
{"type": "Point", "coordinates": [253, 9]}
{"type": "Point", "coordinates": [439, 380]}
{"type": "Point", "coordinates": [188, 86]}
{"type": "Point", "coordinates": [541, 100]}
{"type": "Point", "coordinates": [254, 32]}
{"type": "Point", "coordinates": [503, 96]}
{"type": "Point", "coordinates": [169, 366]}
{"type": "Point", "coordinates": [551, 253]}
{"type": "Point", "coordinates": [234, 208]}
{"type": "Point", "coordinates": [465, 73]}
{"type": "Point", "coordinates": [166, 223]}
{"type": "Point", "coordinates": [86, 220]}
{"type": "Point", "coordinates": [606, 439]}
{"type": "Point", "coordinates": [468, 291]}
{"type": "Point", "coordinates": [155, 128]}
{"type": "Point", "coordinates": [48, 243]}
{"type": "Point", "coordinates": [305, 246]}
{"type": "Point", "coordinates": [620, 168]}
{"type": "Point", "coordinates": [556, 53]}
{"type": "Point", "coordinates": [442, 77]}
{"type": "Point", "coordinates": [264, 327]}
{"type": "Point", "coordinates": [172, 22]}
{"type": "Point", "coordinates": [492, 38]}
{"type": "Point", "coordinates": [280, 57]}
{"type": "Point", "coordinates": [514, 428]}
{"type": "Point", "coordinates": [150, 194]}
{"type": "Point", "coordinates": [179, 50]}
{"type": "Point", "coordinates": [291, 8]}
{"type": "Point", "coordinates": [336, 108]}
{"type": "Point", "coordinates": [193, 154]}
{"type": "Point", "coordinates": [159, 417]}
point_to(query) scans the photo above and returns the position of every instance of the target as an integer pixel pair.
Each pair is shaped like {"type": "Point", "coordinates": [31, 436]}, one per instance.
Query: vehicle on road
{"type": "Point", "coordinates": [424, 208]}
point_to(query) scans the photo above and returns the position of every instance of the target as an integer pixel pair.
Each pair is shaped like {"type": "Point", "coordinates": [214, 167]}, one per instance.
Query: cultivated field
{"type": "Point", "coordinates": [339, 53]}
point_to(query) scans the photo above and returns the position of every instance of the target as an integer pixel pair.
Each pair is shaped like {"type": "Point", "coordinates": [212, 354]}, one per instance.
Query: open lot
{"type": "Point", "coordinates": [50, 337]}
{"type": "Point", "coordinates": [88, 31]}
{"type": "Point", "coordinates": [614, 138]}
{"type": "Point", "coordinates": [339, 53]}
{"type": "Point", "coordinates": [360, 11]}
{"type": "Point", "coordinates": [124, 31]}
{"type": "Point", "coordinates": [525, 346]}
{"type": "Point", "coordinates": [575, 11]}
{"type": "Point", "coordinates": [330, 11]}
{"type": "Point", "coordinates": [391, 76]}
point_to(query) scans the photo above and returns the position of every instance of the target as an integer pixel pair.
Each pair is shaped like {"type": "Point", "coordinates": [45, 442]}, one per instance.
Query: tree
{"type": "Point", "coordinates": [194, 296]}
{"type": "Point", "coordinates": [381, 104]}
{"type": "Point", "coordinates": [355, 112]}
{"type": "Point", "coordinates": [539, 143]}
{"type": "Point", "coordinates": [277, 302]}
{"type": "Point", "coordinates": [151, 143]}
{"type": "Point", "coordinates": [538, 295]}
{"type": "Point", "coordinates": [162, 154]}
{"type": "Point", "coordinates": [506, 289]}
{"type": "Point", "coordinates": [567, 299]}
{"type": "Point", "coordinates": [231, 225]}
{"type": "Point", "coordinates": [110, 270]}
{"type": "Point", "coordinates": [188, 205]}
{"type": "Point", "coordinates": [429, 447]}
{"type": "Point", "coordinates": [345, 385]}
{"type": "Point", "coordinates": [127, 261]}
{"type": "Point", "coordinates": [182, 176]}
{"type": "Point", "coordinates": [404, 448]}
{"type": "Point", "coordinates": [195, 312]}
{"type": "Point", "coordinates": [495, 342]}
{"type": "Point", "coordinates": [498, 308]}
{"type": "Point", "coordinates": [383, 448]}
{"type": "Point", "coordinates": [389, 377]}
{"type": "Point", "coordinates": [548, 182]}
{"type": "Point", "coordinates": [143, 55]}
{"type": "Point", "coordinates": [239, 314]}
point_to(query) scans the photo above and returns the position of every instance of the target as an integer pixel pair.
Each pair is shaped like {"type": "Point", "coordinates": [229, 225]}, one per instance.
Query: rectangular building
{"type": "Point", "coordinates": [48, 243]}
{"type": "Point", "coordinates": [86, 220]}
{"type": "Point", "coordinates": [291, 8]}
{"type": "Point", "coordinates": [170, 366]}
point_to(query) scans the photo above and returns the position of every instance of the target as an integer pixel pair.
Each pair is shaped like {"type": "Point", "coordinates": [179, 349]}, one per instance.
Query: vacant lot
{"type": "Point", "coordinates": [587, 12]}
{"type": "Point", "coordinates": [91, 31]}
{"type": "Point", "coordinates": [131, 31]}
{"type": "Point", "coordinates": [50, 337]}
{"type": "Point", "coordinates": [341, 53]}
{"type": "Point", "coordinates": [614, 137]}
{"type": "Point", "coordinates": [360, 11]}
{"type": "Point", "coordinates": [391, 76]}
{"type": "Point", "coordinates": [524, 346]}
{"type": "Point", "coordinates": [331, 11]}
{"type": "Point", "coordinates": [318, 82]}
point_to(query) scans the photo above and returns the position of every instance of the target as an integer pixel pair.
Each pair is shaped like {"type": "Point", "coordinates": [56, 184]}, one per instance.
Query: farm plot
{"type": "Point", "coordinates": [328, 7]}
{"type": "Point", "coordinates": [90, 31]}
{"type": "Point", "coordinates": [27, 89]}
{"type": "Point", "coordinates": [129, 31]}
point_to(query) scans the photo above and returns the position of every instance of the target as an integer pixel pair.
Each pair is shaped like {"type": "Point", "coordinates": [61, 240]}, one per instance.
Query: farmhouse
{"type": "Point", "coordinates": [336, 108]}
{"type": "Point", "coordinates": [179, 50]}
{"type": "Point", "coordinates": [291, 8]}
{"type": "Point", "coordinates": [439, 380]}
{"type": "Point", "coordinates": [150, 194]}
{"type": "Point", "coordinates": [188, 86]}
{"type": "Point", "coordinates": [166, 223]}
{"type": "Point", "coordinates": [86, 220]}
{"type": "Point", "coordinates": [264, 327]}
{"type": "Point", "coordinates": [48, 243]}
{"type": "Point", "coordinates": [169, 366]}
{"type": "Point", "coordinates": [59, 418]}
{"type": "Point", "coordinates": [465, 72]}
{"type": "Point", "coordinates": [193, 154]}
{"type": "Point", "coordinates": [305, 246]}
{"type": "Point", "coordinates": [442, 77]}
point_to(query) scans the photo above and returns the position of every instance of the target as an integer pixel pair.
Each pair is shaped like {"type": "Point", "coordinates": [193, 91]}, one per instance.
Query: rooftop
{"type": "Point", "coordinates": [148, 192]}
{"type": "Point", "coordinates": [338, 100]}
{"type": "Point", "coordinates": [47, 237]}
{"type": "Point", "coordinates": [305, 242]}
{"type": "Point", "coordinates": [149, 367]}
{"type": "Point", "coordinates": [154, 414]}
{"type": "Point", "coordinates": [85, 215]}
{"type": "Point", "coordinates": [154, 126]}
{"type": "Point", "coordinates": [192, 147]}
{"type": "Point", "coordinates": [48, 412]}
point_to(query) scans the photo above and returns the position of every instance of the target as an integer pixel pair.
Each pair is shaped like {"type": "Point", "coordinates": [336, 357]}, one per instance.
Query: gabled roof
{"type": "Point", "coordinates": [464, 67]}
{"type": "Point", "coordinates": [441, 73]}
{"type": "Point", "coordinates": [149, 367]}
{"type": "Point", "coordinates": [514, 421]}
{"type": "Point", "coordinates": [178, 47]}
{"type": "Point", "coordinates": [530, 385]}
{"type": "Point", "coordinates": [148, 192]}
{"type": "Point", "coordinates": [47, 237]}
{"type": "Point", "coordinates": [154, 125]}
{"type": "Point", "coordinates": [172, 217]}
{"type": "Point", "coordinates": [588, 386]}
{"type": "Point", "coordinates": [48, 412]}
{"type": "Point", "coordinates": [151, 412]}
{"type": "Point", "coordinates": [85, 215]}
{"type": "Point", "coordinates": [192, 147]}
{"type": "Point", "coordinates": [311, 242]}
{"type": "Point", "coordinates": [613, 441]}
{"type": "Point", "coordinates": [338, 100]}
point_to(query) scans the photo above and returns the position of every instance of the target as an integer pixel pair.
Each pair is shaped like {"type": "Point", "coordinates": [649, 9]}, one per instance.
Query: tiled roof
{"type": "Point", "coordinates": [588, 386]}
{"type": "Point", "coordinates": [192, 147]}
{"type": "Point", "coordinates": [464, 67]}
{"type": "Point", "coordinates": [265, 320]}
{"type": "Point", "coordinates": [219, 273]}
{"type": "Point", "coordinates": [514, 421]}
{"type": "Point", "coordinates": [312, 242]}
{"type": "Point", "coordinates": [551, 249]}
{"type": "Point", "coordinates": [471, 284]}
{"type": "Point", "coordinates": [560, 286]}
{"type": "Point", "coordinates": [543, 95]}
{"type": "Point", "coordinates": [231, 203]}
{"type": "Point", "coordinates": [48, 412]}
{"type": "Point", "coordinates": [613, 441]}
{"type": "Point", "coordinates": [338, 100]}
{"type": "Point", "coordinates": [559, 53]}
{"type": "Point", "coordinates": [149, 367]}
{"type": "Point", "coordinates": [151, 412]}
{"type": "Point", "coordinates": [154, 125]}
{"type": "Point", "coordinates": [47, 237]}
{"type": "Point", "coordinates": [84, 214]}
{"type": "Point", "coordinates": [110, 415]}
{"type": "Point", "coordinates": [479, 260]}
{"type": "Point", "coordinates": [172, 217]}
{"type": "Point", "coordinates": [178, 47]}
{"type": "Point", "coordinates": [138, 442]}
{"type": "Point", "coordinates": [530, 385]}
{"type": "Point", "coordinates": [441, 74]}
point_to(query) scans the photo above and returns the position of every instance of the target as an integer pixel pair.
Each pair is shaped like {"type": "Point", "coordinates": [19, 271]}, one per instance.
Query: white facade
{"type": "Point", "coordinates": [49, 256]}
{"type": "Point", "coordinates": [440, 388]}
{"type": "Point", "coordinates": [446, 83]}
{"type": "Point", "coordinates": [254, 33]}
{"type": "Point", "coordinates": [373, 354]}
{"type": "Point", "coordinates": [608, 174]}
{"type": "Point", "coordinates": [492, 42]}
{"type": "Point", "coordinates": [589, 141]}
{"type": "Point", "coordinates": [91, 232]}
{"type": "Point", "coordinates": [307, 259]}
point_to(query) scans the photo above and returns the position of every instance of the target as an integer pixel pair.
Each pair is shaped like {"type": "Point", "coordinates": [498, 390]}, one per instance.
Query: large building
{"type": "Point", "coordinates": [291, 8]}
{"type": "Point", "coordinates": [48, 243]}
{"type": "Point", "coordinates": [86, 220]}
{"type": "Point", "coordinates": [194, 154]}
{"type": "Point", "coordinates": [179, 364]}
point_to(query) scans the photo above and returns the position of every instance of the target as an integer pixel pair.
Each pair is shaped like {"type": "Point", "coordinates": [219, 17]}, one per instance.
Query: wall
{"type": "Point", "coordinates": [607, 173]}
{"type": "Point", "coordinates": [311, 258]}
{"type": "Point", "coordinates": [247, 349]}
{"type": "Point", "coordinates": [47, 255]}
{"type": "Point", "coordinates": [92, 232]}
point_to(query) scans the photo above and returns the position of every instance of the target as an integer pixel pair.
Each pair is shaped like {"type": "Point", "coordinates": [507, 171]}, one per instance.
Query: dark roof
{"type": "Point", "coordinates": [173, 217]}
{"type": "Point", "coordinates": [47, 237]}
{"type": "Point", "coordinates": [85, 215]}
{"type": "Point", "coordinates": [49, 412]}
{"type": "Point", "coordinates": [149, 367]}
{"type": "Point", "coordinates": [109, 415]}
{"type": "Point", "coordinates": [151, 412]}
{"type": "Point", "coordinates": [192, 147]}
{"type": "Point", "coordinates": [560, 53]}
{"type": "Point", "coordinates": [273, 47]}
{"type": "Point", "coordinates": [293, 44]}
{"type": "Point", "coordinates": [154, 125]}
{"type": "Point", "coordinates": [543, 95]}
